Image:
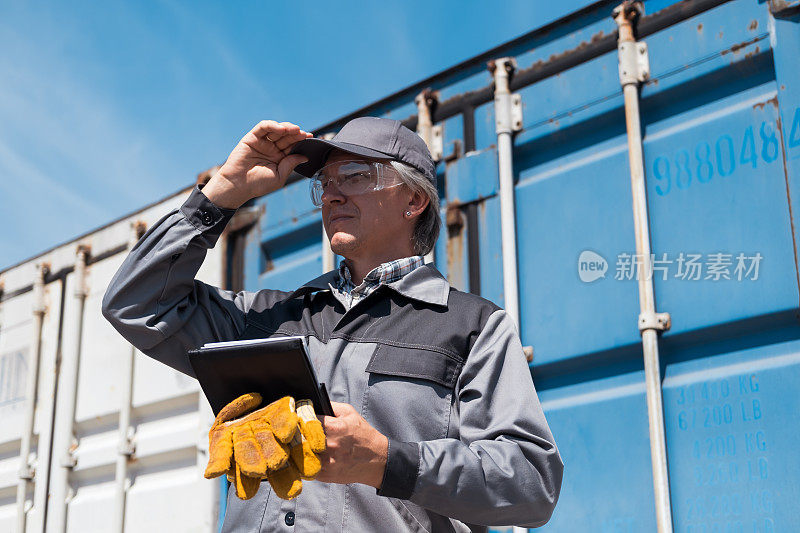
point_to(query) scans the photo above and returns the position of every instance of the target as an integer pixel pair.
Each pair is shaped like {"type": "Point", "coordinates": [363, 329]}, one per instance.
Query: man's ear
{"type": "Point", "coordinates": [417, 203]}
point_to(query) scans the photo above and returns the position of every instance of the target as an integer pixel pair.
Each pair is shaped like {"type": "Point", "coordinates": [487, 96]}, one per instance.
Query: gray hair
{"type": "Point", "coordinates": [427, 229]}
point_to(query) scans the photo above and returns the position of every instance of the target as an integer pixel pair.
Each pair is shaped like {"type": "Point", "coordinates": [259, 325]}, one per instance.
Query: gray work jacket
{"type": "Point", "coordinates": [440, 372]}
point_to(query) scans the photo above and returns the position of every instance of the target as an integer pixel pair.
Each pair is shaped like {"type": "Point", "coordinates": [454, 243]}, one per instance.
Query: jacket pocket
{"type": "Point", "coordinates": [415, 363]}
{"type": "Point", "coordinates": [409, 392]}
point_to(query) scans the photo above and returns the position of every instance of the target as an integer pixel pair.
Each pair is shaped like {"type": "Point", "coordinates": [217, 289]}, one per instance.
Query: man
{"type": "Point", "coordinates": [438, 426]}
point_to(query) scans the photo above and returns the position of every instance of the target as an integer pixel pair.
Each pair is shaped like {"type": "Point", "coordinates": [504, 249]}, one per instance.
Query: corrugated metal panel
{"type": "Point", "coordinates": [170, 416]}
{"type": "Point", "coordinates": [721, 115]}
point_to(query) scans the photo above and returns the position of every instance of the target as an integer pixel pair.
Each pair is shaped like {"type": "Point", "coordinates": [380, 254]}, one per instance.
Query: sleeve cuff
{"type": "Point", "coordinates": [204, 215]}
{"type": "Point", "coordinates": [402, 470]}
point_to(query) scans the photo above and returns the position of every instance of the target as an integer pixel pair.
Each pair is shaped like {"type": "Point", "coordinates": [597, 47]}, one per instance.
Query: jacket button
{"type": "Point", "coordinates": [289, 518]}
{"type": "Point", "coordinates": [206, 218]}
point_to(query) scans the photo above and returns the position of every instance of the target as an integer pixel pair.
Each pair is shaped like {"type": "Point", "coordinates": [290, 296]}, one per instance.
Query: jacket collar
{"type": "Point", "coordinates": [425, 284]}
{"type": "Point", "coordinates": [317, 284]}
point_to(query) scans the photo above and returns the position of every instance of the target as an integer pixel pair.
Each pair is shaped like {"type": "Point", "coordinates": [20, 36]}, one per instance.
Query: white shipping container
{"type": "Point", "coordinates": [77, 484]}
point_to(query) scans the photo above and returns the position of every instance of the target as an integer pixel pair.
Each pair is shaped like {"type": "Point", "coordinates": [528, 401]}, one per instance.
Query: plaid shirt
{"type": "Point", "coordinates": [381, 274]}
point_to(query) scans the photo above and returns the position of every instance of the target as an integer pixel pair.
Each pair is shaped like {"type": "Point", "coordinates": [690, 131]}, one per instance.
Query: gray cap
{"type": "Point", "coordinates": [373, 138]}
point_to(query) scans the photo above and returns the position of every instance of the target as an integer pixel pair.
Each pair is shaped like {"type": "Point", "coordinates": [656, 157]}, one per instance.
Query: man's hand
{"type": "Point", "coordinates": [258, 165]}
{"type": "Point", "coordinates": [356, 452]}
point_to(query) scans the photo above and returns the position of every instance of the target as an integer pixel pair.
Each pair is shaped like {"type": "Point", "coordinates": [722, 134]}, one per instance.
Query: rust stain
{"type": "Point", "coordinates": [454, 218]}
{"type": "Point", "coordinates": [753, 25]}
{"type": "Point", "coordinates": [268, 263]}
{"type": "Point", "coordinates": [455, 242]}
{"type": "Point", "coordinates": [583, 45]}
{"type": "Point", "coordinates": [140, 227]}
{"type": "Point", "coordinates": [736, 47]}
{"type": "Point", "coordinates": [773, 101]}
{"type": "Point", "coordinates": [754, 52]}
{"type": "Point", "coordinates": [788, 196]}
{"type": "Point", "coordinates": [699, 27]}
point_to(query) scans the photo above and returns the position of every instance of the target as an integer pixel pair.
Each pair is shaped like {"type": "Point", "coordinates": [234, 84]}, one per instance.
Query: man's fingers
{"type": "Point", "coordinates": [335, 424]}
{"type": "Point", "coordinates": [289, 139]}
{"type": "Point", "coordinates": [341, 409]}
{"type": "Point", "coordinates": [268, 127]}
{"type": "Point", "coordinates": [326, 465]}
{"type": "Point", "coordinates": [290, 127]}
{"type": "Point", "coordinates": [288, 164]}
{"type": "Point", "coordinates": [272, 131]}
{"type": "Point", "coordinates": [329, 423]}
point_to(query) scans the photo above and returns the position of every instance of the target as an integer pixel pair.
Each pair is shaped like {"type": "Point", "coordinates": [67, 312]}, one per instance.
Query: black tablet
{"type": "Point", "coordinates": [274, 368]}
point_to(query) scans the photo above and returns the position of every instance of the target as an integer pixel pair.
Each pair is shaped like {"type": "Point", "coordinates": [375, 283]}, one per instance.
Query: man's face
{"type": "Point", "coordinates": [367, 225]}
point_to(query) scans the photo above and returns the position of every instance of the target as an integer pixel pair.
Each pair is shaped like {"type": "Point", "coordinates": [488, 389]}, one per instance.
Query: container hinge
{"type": "Point", "coordinates": [437, 142]}
{"type": "Point", "coordinates": [656, 321]}
{"type": "Point", "coordinates": [127, 447]}
{"type": "Point", "coordinates": [27, 472]}
{"type": "Point", "coordinates": [432, 134]}
{"type": "Point", "coordinates": [454, 218]}
{"type": "Point", "coordinates": [516, 112]}
{"type": "Point", "coordinates": [634, 62]}
{"type": "Point", "coordinates": [510, 119]}
{"type": "Point", "coordinates": [507, 105]}
{"type": "Point", "coordinates": [69, 460]}
{"type": "Point", "coordinates": [784, 8]}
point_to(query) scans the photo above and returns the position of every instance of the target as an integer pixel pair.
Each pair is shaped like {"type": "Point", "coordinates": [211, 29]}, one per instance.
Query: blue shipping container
{"type": "Point", "coordinates": [721, 123]}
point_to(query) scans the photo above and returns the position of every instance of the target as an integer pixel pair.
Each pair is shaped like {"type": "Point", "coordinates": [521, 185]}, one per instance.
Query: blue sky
{"type": "Point", "coordinates": [108, 106]}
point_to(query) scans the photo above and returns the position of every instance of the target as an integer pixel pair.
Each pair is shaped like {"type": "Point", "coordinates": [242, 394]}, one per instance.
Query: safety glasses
{"type": "Point", "coordinates": [352, 178]}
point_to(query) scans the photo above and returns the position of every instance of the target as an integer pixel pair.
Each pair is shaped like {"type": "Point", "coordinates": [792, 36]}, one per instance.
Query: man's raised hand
{"type": "Point", "coordinates": [258, 165]}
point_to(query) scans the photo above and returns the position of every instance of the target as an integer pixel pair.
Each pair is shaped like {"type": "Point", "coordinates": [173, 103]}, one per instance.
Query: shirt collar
{"type": "Point", "coordinates": [385, 272]}
{"type": "Point", "coordinates": [425, 284]}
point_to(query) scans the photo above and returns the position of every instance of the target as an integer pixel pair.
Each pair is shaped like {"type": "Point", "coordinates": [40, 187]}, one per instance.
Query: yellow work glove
{"type": "Point", "coordinates": [272, 443]}
{"type": "Point", "coordinates": [307, 442]}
